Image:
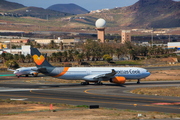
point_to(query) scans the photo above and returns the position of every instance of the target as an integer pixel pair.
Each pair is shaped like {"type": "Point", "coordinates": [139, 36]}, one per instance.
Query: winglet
{"type": "Point", "coordinates": [113, 71]}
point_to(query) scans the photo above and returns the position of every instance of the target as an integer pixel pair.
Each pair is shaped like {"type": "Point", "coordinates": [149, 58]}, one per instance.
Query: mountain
{"type": "Point", "coordinates": [142, 14]}
{"type": "Point", "coordinates": [156, 13]}
{"type": "Point", "coordinates": [68, 8]}
{"type": "Point", "coordinates": [5, 5]}
{"type": "Point", "coordinates": [18, 10]}
{"type": "Point", "coordinates": [38, 12]}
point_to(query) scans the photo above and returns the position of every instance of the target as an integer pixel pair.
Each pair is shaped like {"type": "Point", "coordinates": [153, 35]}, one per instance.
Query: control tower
{"type": "Point", "coordinates": [100, 27]}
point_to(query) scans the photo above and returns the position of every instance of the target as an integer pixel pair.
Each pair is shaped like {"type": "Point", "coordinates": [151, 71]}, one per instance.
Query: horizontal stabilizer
{"type": "Point", "coordinates": [10, 69]}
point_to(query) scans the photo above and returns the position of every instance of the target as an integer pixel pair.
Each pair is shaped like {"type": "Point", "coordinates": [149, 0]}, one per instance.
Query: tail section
{"type": "Point", "coordinates": [39, 59]}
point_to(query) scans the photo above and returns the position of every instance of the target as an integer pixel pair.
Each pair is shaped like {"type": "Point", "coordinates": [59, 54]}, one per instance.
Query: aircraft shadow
{"type": "Point", "coordinates": [14, 85]}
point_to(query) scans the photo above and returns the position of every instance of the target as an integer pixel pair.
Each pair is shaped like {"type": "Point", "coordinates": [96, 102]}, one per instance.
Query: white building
{"type": "Point", "coordinates": [25, 49]}
{"type": "Point", "coordinates": [46, 41]}
{"type": "Point", "coordinates": [174, 45]}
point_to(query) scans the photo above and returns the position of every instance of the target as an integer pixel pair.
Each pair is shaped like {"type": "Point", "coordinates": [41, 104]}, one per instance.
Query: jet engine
{"type": "Point", "coordinates": [34, 74]}
{"type": "Point", "coordinates": [118, 80]}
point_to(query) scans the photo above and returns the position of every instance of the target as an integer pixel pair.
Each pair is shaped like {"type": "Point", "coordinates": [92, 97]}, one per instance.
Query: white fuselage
{"type": "Point", "coordinates": [24, 71]}
{"type": "Point", "coordinates": [87, 73]}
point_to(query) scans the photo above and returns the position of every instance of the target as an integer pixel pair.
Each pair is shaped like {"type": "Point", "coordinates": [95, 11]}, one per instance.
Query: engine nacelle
{"type": "Point", "coordinates": [118, 80]}
{"type": "Point", "coordinates": [34, 74]}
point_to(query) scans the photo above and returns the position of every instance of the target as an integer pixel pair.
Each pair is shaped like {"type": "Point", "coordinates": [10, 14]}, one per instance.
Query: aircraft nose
{"type": "Point", "coordinates": [15, 72]}
{"type": "Point", "coordinates": [148, 74]}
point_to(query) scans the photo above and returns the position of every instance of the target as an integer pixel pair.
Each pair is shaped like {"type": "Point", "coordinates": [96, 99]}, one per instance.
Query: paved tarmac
{"type": "Point", "coordinates": [107, 95]}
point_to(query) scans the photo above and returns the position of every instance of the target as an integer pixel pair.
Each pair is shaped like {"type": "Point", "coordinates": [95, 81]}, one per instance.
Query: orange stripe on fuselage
{"type": "Point", "coordinates": [63, 72]}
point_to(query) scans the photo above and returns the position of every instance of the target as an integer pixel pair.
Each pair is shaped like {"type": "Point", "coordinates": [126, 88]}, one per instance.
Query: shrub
{"type": "Point", "coordinates": [107, 57]}
{"type": "Point", "coordinates": [157, 56]}
{"type": "Point", "coordinates": [142, 58]}
{"type": "Point", "coordinates": [165, 55]}
{"type": "Point", "coordinates": [12, 63]}
{"type": "Point", "coordinates": [148, 57]}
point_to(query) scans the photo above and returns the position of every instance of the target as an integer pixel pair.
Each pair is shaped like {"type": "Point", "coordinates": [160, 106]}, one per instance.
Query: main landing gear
{"type": "Point", "coordinates": [85, 83]}
{"type": "Point", "coordinates": [18, 76]}
{"type": "Point", "coordinates": [98, 83]}
{"type": "Point", "coordinates": [138, 82]}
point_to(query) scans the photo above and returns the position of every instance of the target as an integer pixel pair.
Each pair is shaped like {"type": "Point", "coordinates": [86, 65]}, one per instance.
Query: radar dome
{"type": "Point", "coordinates": [100, 23]}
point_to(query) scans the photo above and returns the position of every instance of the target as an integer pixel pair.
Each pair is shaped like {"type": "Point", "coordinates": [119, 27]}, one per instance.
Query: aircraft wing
{"type": "Point", "coordinates": [106, 76]}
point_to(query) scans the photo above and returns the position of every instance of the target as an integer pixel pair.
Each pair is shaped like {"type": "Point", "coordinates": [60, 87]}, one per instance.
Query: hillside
{"type": "Point", "coordinates": [5, 5]}
{"type": "Point", "coordinates": [37, 12]}
{"type": "Point", "coordinates": [68, 8]}
{"type": "Point", "coordinates": [156, 13]}
{"type": "Point", "coordinates": [143, 14]}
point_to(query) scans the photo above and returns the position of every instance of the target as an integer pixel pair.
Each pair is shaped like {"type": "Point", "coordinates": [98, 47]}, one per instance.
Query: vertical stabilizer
{"type": "Point", "coordinates": [39, 59]}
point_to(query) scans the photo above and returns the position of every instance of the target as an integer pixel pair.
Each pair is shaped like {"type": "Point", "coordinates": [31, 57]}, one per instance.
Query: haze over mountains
{"type": "Point", "coordinates": [142, 14]}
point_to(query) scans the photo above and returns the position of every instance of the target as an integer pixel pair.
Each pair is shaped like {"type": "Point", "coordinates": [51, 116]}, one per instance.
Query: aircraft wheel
{"type": "Point", "coordinates": [84, 83]}
{"type": "Point", "coordinates": [26, 75]}
{"type": "Point", "coordinates": [138, 82]}
{"type": "Point", "coordinates": [99, 83]}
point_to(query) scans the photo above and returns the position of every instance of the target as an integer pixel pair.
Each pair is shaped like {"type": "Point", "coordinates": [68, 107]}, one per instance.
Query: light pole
{"type": "Point", "coordinates": [169, 38]}
{"type": "Point", "coordinates": [152, 36]}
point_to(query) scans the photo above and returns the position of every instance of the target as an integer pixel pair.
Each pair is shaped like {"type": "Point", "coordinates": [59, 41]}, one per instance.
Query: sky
{"type": "Point", "coordinates": [87, 4]}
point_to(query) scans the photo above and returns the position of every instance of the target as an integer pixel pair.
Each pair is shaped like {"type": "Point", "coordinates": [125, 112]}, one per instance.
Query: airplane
{"type": "Point", "coordinates": [116, 75]}
{"type": "Point", "coordinates": [25, 71]}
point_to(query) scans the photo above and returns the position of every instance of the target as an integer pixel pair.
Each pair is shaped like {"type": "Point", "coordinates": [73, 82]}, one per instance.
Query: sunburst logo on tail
{"type": "Point", "coordinates": [38, 60]}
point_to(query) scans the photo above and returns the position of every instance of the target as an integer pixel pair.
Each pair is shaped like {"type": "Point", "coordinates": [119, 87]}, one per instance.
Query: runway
{"type": "Point", "coordinates": [107, 95]}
